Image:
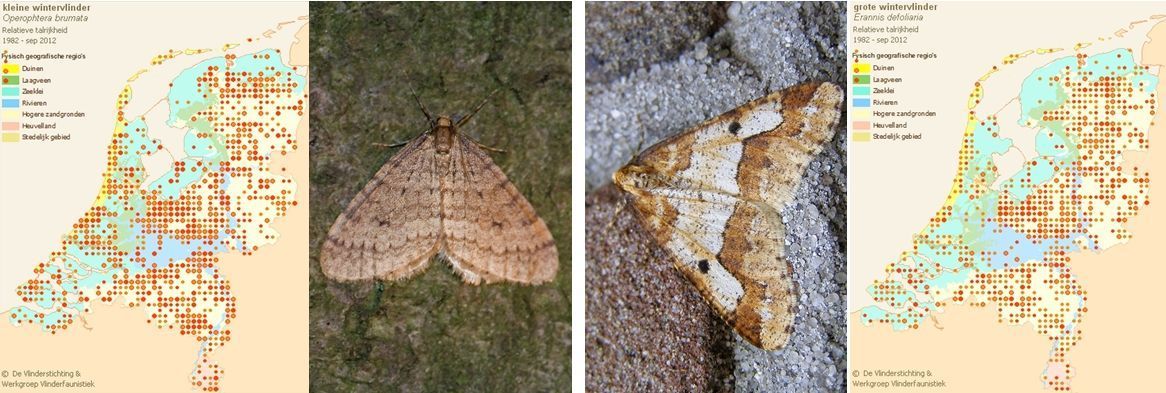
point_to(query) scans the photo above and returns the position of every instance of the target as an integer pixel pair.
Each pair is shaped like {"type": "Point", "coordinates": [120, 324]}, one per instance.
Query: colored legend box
{"type": "Point", "coordinates": [861, 68]}
{"type": "Point", "coordinates": [11, 137]}
{"type": "Point", "coordinates": [10, 69]}
{"type": "Point", "coordinates": [861, 102]}
{"type": "Point", "coordinates": [861, 137]}
{"type": "Point", "coordinates": [10, 103]}
{"type": "Point", "coordinates": [861, 91]}
{"type": "Point", "coordinates": [861, 79]}
{"type": "Point", "coordinates": [860, 114]}
{"type": "Point", "coordinates": [11, 126]}
{"type": "Point", "coordinates": [10, 115]}
{"type": "Point", "coordinates": [860, 125]}
{"type": "Point", "coordinates": [11, 80]}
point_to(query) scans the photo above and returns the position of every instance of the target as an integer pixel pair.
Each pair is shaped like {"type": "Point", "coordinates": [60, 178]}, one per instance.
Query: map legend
{"type": "Point", "coordinates": [860, 101]}
{"type": "Point", "coordinates": [10, 104]}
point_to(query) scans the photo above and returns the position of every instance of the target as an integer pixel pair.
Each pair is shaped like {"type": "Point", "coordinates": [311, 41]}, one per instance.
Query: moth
{"type": "Point", "coordinates": [440, 194]}
{"type": "Point", "coordinates": [712, 197]}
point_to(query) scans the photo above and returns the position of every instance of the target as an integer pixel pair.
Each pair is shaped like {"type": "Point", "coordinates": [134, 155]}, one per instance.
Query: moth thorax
{"type": "Point", "coordinates": [634, 179]}
{"type": "Point", "coordinates": [443, 133]}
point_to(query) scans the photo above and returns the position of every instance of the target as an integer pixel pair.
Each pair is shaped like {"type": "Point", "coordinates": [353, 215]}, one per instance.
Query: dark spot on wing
{"type": "Point", "coordinates": [734, 127]}
{"type": "Point", "coordinates": [703, 265]}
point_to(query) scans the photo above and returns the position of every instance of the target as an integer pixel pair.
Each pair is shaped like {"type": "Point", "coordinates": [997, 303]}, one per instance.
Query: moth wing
{"type": "Point", "coordinates": [773, 162]}
{"type": "Point", "coordinates": [392, 228]}
{"type": "Point", "coordinates": [718, 213]}
{"type": "Point", "coordinates": [732, 251]}
{"type": "Point", "coordinates": [758, 150]}
{"type": "Point", "coordinates": [491, 232]}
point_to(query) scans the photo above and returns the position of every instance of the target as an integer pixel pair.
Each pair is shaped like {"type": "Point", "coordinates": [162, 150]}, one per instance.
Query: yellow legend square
{"type": "Point", "coordinates": [11, 137]}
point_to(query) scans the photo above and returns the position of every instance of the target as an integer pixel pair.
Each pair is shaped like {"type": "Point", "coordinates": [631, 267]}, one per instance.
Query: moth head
{"type": "Point", "coordinates": [633, 178]}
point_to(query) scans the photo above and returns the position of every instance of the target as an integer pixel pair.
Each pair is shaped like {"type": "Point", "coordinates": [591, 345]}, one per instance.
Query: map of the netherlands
{"type": "Point", "coordinates": [153, 244]}
{"type": "Point", "coordinates": [1051, 172]}
{"type": "Point", "coordinates": [1002, 240]}
{"type": "Point", "coordinates": [196, 175]}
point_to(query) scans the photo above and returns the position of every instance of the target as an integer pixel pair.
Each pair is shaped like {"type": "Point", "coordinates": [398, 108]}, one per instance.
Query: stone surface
{"type": "Point", "coordinates": [647, 330]}
{"type": "Point", "coordinates": [760, 47]}
{"type": "Point", "coordinates": [432, 332]}
{"type": "Point", "coordinates": [625, 36]}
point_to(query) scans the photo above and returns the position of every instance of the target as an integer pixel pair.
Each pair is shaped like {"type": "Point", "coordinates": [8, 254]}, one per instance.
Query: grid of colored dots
{"type": "Point", "coordinates": [1076, 195]}
{"type": "Point", "coordinates": [124, 246]}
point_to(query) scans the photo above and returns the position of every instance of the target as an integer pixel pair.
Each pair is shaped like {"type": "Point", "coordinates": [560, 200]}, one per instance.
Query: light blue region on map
{"type": "Point", "coordinates": [137, 144]}
{"type": "Point", "coordinates": [232, 223]}
{"type": "Point", "coordinates": [171, 189]}
{"type": "Point", "coordinates": [1003, 237]}
{"type": "Point", "coordinates": [1030, 177]}
{"type": "Point", "coordinates": [1047, 141]}
{"type": "Point", "coordinates": [169, 251]}
{"type": "Point", "coordinates": [1039, 93]}
{"type": "Point", "coordinates": [96, 278]}
{"type": "Point", "coordinates": [987, 144]}
{"type": "Point", "coordinates": [207, 146]}
{"type": "Point", "coordinates": [92, 261]}
{"type": "Point", "coordinates": [186, 96]}
{"type": "Point", "coordinates": [269, 66]}
{"type": "Point", "coordinates": [53, 318]}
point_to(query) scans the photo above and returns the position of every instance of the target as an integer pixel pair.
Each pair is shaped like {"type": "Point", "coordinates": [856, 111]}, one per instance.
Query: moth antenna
{"type": "Point", "coordinates": [428, 116]}
{"type": "Point", "coordinates": [639, 146]}
{"type": "Point", "coordinates": [640, 143]}
{"type": "Point", "coordinates": [466, 119]}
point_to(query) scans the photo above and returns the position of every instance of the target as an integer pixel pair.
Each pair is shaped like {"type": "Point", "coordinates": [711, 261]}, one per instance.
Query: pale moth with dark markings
{"type": "Point", "coordinates": [441, 194]}
{"type": "Point", "coordinates": [712, 197]}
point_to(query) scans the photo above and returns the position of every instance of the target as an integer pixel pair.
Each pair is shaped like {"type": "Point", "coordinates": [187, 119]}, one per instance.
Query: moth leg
{"type": "Point", "coordinates": [394, 145]}
{"type": "Point", "coordinates": [482, 146]}
{"type": "Point", "coordinates": [623, 202]}
{"type": "Point", "coordinates": [488, 148]}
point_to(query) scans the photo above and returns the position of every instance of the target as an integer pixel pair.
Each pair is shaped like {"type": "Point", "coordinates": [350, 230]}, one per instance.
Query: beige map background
{"type": "Point", "coordinates": [121, 353]}
{"type": "Point", "coordinates": [895, 198]}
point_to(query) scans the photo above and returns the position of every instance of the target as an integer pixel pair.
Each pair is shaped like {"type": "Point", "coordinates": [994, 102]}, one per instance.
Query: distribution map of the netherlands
{"type": "Point", "coordinates": [193, 172]}
{"type": "Point", "coordinates": [1052, 177]}
{"type": "Point", "coordinates": [1006, 240]}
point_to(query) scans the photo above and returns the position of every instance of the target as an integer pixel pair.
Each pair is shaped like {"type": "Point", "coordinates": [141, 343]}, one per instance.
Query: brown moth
{"type": "Point", "coordinates": [441, 194]}
{"type": "Point", "coordinates": [712, 196]}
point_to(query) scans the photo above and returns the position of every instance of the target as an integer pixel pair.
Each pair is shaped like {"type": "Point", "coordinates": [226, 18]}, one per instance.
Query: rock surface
{"type": "Point", "coordinates": [760, 47]}
{"type": "Point", "coordinates": [432, 332]}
